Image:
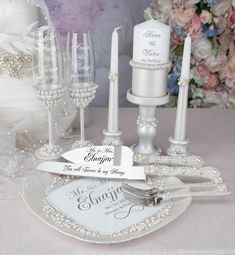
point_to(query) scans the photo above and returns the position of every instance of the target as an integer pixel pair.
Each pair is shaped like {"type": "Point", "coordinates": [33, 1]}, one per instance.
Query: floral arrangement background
{"type": "Point", "coordinates": [211, 24]}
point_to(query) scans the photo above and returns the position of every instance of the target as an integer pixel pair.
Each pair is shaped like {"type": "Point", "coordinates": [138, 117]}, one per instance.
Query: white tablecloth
{"type": "Point", "coordinates": [207, 227]}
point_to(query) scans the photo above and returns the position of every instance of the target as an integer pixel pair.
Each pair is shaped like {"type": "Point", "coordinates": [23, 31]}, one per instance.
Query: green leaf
{"type": "Point", "coordinates": [179, 51]}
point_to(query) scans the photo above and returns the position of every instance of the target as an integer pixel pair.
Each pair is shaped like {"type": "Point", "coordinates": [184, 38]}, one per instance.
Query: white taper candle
{"type": "Point", "coordinates": [181, 113]}
{"type": "Point", "coordinates": [113, 88]}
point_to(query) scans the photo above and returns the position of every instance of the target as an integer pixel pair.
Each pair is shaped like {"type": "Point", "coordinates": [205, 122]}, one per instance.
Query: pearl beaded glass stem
{"type": "Point", "coordinates": [48, 78]}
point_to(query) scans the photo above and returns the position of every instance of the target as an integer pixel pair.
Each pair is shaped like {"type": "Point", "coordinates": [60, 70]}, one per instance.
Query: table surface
{"type": "Point", "coordinates": [206, 227]}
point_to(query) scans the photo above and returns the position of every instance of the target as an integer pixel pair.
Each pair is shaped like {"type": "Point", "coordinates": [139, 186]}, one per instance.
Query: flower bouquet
{"type": "Point", "coordinates": [211, 24]}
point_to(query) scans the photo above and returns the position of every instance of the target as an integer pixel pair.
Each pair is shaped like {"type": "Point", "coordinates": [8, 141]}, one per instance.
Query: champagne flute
{"type": "Point", "coordinates": [48, 79]}
{"type": "Point", "coordinates": [81, 76]}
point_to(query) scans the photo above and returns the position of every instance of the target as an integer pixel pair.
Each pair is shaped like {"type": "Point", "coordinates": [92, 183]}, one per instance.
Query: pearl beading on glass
{"type": "Point", "coordinates": [66, 222]}
{"type": "Point", "coordinates": [50, 98]}
{"type": "Point", "coordinates": [151, 67]}
{"type": "Point", "coordinates": [83, 96]}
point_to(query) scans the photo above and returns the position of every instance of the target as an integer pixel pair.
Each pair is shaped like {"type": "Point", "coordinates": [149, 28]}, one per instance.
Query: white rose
{"type": "Point", "coordinates": [233, 3]}
{"type": "Point", "coordinates": [191, 2]}
{"type": "Point", "coordinates": [201, 48]}
{"type": "Point", "coordinates": [220, 8]}
{"type": "Point", "coordinates": [165, 5]}
{"type": "Point", "coordinates": [216, 64]}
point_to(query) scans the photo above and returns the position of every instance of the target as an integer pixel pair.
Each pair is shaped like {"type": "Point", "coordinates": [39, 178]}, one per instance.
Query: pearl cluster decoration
{"type": "Point", "coordinates": [66, 222]}
{"type": "Point", "coordinates": [83, 96]}
{"type": "Point", "coordinates": [113, 76]}
{"type": "Point", "coordinates": [15, 65]}
{"type": "Point", "coordinates": [112, 141]}
{"type": "Point", "coordinates": [50, 98]}
{"type": "Point", "coordinates": [147, 123]}
{"type": "Point", "coordinates": [50, 151]}
{"type": "Point", "coordinates": [151, 67]}
{"type": "Point", "coordinates": [183, 82]}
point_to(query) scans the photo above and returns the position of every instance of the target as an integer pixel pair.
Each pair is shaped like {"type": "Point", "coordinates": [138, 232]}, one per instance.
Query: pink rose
{"type": "Point", "coordinates": [183, 16]}
{"type": "Point", "coordinates": [202, 70]}
{"type": "Point", "coordinates": [177, 39]}
{"type": "Point", "coordinates": [230, 68]}
{"type": "Point", "coordinates": [216, 63]}
{"type": "Point", "coordinates": [225, 40]}
{"type": "Point", "coordinates": [231, 19]}
{"type": "Point", "coordinates": [213, 82]}
{"type": "Point", "coordinates": [205, 17]}
{"type": "Point", "coordinates": [229, 73]}
{"type": "Point", "coordinates": [195, 27]}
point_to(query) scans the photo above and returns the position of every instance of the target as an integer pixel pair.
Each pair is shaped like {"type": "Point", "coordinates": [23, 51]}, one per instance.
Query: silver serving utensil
{"type": "Point", "coordinates": [154, 196]}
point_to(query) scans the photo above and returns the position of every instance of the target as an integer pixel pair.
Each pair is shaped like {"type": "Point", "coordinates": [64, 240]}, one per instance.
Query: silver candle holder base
{"type": "Point", "coordinates": [112, 138]}
{"type": "Point", "coordinates": [146, 126]}
{"type": "Point", "coordinates": [178, 154]}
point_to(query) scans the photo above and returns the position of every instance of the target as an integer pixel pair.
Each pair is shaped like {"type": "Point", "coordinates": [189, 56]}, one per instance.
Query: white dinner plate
{"type": "Point", "coordinates": [94, 210]}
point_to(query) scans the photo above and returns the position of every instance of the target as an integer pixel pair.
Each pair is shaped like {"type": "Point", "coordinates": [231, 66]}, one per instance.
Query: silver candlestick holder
{"type": "Point", "coordinates": [147, 124]}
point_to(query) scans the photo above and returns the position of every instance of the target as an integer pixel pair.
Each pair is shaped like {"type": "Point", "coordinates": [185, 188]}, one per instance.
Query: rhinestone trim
{"type": "Point", "coordinates": [15, 65]}
{"type": "Point", "coordinates": [141, 122]}
{"type": "Point", "coordinates": [152, 67]}
{"type": "Point", "coordinates": [66, 222]}
{"type": "Point", "coordinates": [191, 160]}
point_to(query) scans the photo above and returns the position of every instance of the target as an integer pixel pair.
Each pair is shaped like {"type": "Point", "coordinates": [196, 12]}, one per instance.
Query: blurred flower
{"type": "Point", "coordinates": [229, 73]}
{"type": "Point", "coordinates": [216, 63]}
{"type": "Point", "coordinates": [173, 84]}
{"type": "Point", "coordinates": [213, 82]}
{"type": "Point", "coordinates": [211, 2]}
{"type": "Point", "coordinates": [221, 8]}
{"type": "Point", "coordinates": [184, 15]}
{"type": "Point", "coordinates": [205, 17]}
{"type": "Point", "coordinates": [195, 27]}
{"type": "Point", "coordinates": [233, 3]}
{"type": "Point", "coordinates": [201, 48]}
{"type": "Point", "coordinates": [209, 30]}
{"type": "Point", "coordinates": [231, 19]}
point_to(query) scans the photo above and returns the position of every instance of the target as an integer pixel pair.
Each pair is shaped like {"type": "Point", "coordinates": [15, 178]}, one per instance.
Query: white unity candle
{"type": "Point", "coordinates": [181, 114]}
{"type": "Point", "coordinates": [151, 42]}
{"type": "Point", "coordinates": [113, 88]}
{"type": "Point", "coordinates": [151, 46]}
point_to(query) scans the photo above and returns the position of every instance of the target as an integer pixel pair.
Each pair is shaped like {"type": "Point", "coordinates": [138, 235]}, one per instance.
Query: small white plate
{"type": "Point", "coordinates": [95, 210]}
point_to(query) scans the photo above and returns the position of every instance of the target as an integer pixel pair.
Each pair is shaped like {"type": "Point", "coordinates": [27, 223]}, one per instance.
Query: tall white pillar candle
{"type": "Point", "coordinates": [181, 113]}
{"type": "Point", "coordinates": [151, 47]}
{"type": "Point", "coordinates": [113, 88]}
